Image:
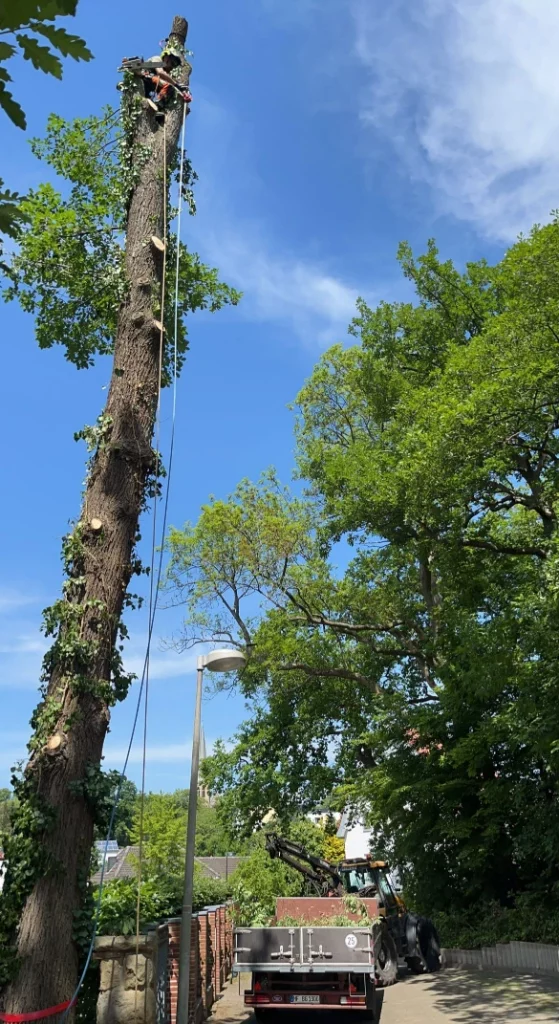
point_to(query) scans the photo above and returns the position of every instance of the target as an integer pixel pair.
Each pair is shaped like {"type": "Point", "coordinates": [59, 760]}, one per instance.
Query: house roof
{"type": "Point", "coordinates": [218, 867]}
{"type": "Point", "coordinates": [125, 866]}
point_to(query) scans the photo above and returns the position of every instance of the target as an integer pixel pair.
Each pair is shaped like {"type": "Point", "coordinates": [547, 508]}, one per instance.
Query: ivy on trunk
{"type": "Point", "coordinates": [87, 270]}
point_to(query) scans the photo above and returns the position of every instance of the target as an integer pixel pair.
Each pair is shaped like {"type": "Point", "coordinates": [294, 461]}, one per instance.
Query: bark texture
{"type": "Point", "coordinates": [113, 497]}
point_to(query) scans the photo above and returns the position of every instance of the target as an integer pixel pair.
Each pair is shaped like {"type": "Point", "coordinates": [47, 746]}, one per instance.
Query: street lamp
{"type": "Point", "coordinates": [215, 661]}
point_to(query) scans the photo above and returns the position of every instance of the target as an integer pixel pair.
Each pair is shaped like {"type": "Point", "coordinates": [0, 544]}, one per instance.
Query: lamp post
{"type": "Point", "coordinates": [215, 661]}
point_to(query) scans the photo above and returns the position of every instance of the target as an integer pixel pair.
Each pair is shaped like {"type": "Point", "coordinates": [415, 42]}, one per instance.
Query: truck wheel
{"type": "Point", "coordinates": [415, 964]}
{"type": "Point", "coordinates": [386, 962]}
{"type": "Point", "coordinates": [429, 945]}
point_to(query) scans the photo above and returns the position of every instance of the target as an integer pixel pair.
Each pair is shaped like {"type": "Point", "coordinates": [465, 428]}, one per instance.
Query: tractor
{"type": "Point", "coordinates": [405, 935]}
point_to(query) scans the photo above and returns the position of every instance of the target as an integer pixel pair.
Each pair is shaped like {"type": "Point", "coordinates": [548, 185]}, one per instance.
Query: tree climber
{"type": "Point", "coordinates": [156, 75]}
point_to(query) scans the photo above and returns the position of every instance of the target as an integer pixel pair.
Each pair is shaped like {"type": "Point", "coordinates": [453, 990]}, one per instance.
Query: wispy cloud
{"type": "Point", "coordinates": [12, 599]}
{"type": "Point", "coordinates": [162, 664]}
{"type": "Point", "coordinates": [468, 94]}
{"type": "Point", "coordinates": [166, 753]}
{"type": "Point", "coordinates": [314, 303]}
{"type": "Point", "coordinates": [161, 754]}
{"type": "Point", "coordinates": [306, 295]}
{"type": "Point", "coordinates": [25, 643]}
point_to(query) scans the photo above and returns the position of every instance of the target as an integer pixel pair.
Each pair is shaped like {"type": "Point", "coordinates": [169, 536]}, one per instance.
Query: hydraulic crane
{"type": "Point", "coordinates": [407, 935]}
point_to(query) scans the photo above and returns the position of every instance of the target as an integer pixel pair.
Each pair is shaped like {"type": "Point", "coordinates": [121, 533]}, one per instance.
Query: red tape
{"type": "Point", "coordinates": [18, 1018]}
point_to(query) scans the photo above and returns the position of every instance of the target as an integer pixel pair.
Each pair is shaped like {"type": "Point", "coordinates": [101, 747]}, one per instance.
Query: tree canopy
{"type": "Point", "coordinates": [401, 617]}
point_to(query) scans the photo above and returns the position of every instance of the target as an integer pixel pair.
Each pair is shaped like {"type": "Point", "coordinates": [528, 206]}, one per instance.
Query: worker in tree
{"type": "Point", "coordinates": [156, 75]}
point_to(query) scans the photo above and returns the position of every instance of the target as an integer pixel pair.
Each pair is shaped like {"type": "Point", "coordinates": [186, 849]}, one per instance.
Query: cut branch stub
{"type": "Point", "coordinates": [54, 744]}
{"type": "Point", "coordinates": [180, 28]}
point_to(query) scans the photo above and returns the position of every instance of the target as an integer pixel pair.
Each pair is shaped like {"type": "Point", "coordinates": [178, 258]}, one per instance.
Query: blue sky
{"type": "Point", "coordinates": [324, 132]}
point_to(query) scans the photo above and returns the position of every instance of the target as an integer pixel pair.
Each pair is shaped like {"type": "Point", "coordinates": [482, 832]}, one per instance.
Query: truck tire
{"type": "Point", "coordinates": [429, 945]}
{"type": "Point", "coordinates": [386, 959]}
{"type": "Point", "coordinates": [415, 964]}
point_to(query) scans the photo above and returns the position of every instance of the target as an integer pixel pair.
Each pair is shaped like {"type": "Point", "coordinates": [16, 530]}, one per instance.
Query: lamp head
{"type": "Point", "coordinates": [224, 660]}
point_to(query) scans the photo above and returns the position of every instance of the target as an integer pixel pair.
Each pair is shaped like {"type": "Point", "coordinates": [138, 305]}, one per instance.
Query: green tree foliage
{"type": "Point", "coordinates": [159, 900]}
{"type": "Point", "coordinates": [213, 838]}
{"type": "Point", "coordinates": [21, 21]}
{"type": "Point", "coordinates": [6, 802]}
{"type": "Point", "coordinates": [161, 823]}
{"type": "Point", "coordinates": [125, 810]}
{"type": "Point", "coordinates": [260, 879]}
{"type": "Point", "coordinates": [69, 270]}
{"type": "Point", "coordinates": [421, 679]}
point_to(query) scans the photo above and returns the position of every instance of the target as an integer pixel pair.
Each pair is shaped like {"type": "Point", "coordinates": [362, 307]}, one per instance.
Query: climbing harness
{"type": "Point", "coordinates": [161, 85]}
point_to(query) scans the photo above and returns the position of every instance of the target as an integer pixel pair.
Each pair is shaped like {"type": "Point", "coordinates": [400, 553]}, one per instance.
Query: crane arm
{"type": "Point", "coordinates": [321, 873]}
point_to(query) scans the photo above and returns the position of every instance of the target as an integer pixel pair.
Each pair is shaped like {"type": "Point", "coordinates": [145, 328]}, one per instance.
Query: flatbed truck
{"type": "Point", "coordinates": [308, 968]}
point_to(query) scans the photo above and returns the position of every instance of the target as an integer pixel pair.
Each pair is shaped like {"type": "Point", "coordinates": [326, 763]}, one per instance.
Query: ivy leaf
{"type": "Point", "coordinates": [40, 56]}
{"type": "Point", "coordinates": [10, 106]}
{"type": "Point", "coordinates": [66, 44]}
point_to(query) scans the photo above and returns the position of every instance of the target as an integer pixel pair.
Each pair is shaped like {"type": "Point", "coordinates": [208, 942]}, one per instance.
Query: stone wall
{"type": "Point", "coordinates": [126, 983]}
{"type": "Point", "coordinates": [144, 989]}
{"type": "Point", "coordinates": [531, 957]}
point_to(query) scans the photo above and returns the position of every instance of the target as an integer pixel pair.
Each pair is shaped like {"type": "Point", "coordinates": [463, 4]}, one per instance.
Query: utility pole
{"type": "Point", "coordinates": [99, 571]}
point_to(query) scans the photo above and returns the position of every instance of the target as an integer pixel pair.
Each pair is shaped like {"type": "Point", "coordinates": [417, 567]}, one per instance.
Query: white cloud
{"type": "Point", "coordinates": [162, 665]}
{"type": "Point", "coordinates": [163, 754]}
{"type": "Point", "coordinates": [26, 643]}
{"type": "Point", "coordinates": [303, 294]}
{"type": "Point", "coordinates": [316, 304]}
{"type": "Point", "coordinates": [468, 93]}
{"type": "Point", "coordinates": [155, 753]}
{"type": "Point", "coordinates": [12, 599]}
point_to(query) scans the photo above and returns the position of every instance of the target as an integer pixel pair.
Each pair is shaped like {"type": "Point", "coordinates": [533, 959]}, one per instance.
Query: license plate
{"type": "Point", "coordinates": [304, 999]}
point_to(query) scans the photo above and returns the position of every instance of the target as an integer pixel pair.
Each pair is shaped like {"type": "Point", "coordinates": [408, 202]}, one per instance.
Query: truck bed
{"type": "Point", "coordinates": [310, 949]}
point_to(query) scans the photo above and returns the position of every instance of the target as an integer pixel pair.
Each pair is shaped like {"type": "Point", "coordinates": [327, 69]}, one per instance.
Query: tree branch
{"type": "Point", "coordinates": [332, 673]}
{"type": "Point", "coordinates": [504, 549]}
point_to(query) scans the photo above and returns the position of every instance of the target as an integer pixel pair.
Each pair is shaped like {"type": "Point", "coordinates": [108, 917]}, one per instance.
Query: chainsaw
{"type": "Point", "coordinates": [139, 64]}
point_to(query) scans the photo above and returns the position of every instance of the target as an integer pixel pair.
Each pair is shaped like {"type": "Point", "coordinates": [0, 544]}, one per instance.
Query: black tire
{"type": "Point", "coordinates": [430, 946]}
{"type": "Point", "coordinates": [415, 964]}
{"type": "Point", "coordinates": [386, 959]}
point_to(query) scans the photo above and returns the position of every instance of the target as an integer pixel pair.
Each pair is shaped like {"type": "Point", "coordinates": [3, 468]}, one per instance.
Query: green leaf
{"type": "Point", "coordinates": [40, 56]}
{"type": "Point", "coordinates": [6, 51]}
{"type": "Point", "coordinates": [11, 107]}
{"type": "Point", "coordinates": [68, 45]}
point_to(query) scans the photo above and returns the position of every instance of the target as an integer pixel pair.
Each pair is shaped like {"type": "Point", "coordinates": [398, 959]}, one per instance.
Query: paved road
{"type": "Point", "coordinates": [455, 996]}
{"type": "Point", "coordinates": [471, 997]}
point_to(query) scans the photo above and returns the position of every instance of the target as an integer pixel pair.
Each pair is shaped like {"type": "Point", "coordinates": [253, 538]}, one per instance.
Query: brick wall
{"type": "Point", "coordinates": [210, 962]}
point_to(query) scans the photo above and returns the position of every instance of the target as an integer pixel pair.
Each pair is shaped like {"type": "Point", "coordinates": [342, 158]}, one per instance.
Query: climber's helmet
{"type": "Point", "coordinates": [171, 57]}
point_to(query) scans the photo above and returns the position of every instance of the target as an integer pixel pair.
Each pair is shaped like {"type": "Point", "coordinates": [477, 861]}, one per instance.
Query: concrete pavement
{"type": "Point", "coordinates": [455, 996]}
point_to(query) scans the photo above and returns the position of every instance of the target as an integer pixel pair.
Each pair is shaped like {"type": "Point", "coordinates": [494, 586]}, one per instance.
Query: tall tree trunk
{"type": "Point", "coordinates": [103, 543]}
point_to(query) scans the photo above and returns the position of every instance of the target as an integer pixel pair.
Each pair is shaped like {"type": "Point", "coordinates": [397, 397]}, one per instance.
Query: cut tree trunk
{"type": "Point", "coordinates": [109, 520]}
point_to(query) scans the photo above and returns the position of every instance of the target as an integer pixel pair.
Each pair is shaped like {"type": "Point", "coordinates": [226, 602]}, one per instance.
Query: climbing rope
{"type": "Point", "coordinates": [153, 547]}
{"type": "Point", "coordinates": [154, 585]}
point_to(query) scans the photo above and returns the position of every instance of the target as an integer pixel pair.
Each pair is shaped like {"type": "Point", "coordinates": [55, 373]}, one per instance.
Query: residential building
{"type": "Point", "coordinates": [125, 864]}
